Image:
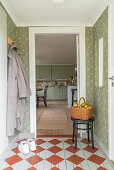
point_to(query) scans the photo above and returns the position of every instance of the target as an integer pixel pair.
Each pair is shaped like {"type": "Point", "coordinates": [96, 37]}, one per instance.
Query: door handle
{"type": "Point", "coordinates": [112, 84]}
{"type": "Point", "coordinates": [111, 78]}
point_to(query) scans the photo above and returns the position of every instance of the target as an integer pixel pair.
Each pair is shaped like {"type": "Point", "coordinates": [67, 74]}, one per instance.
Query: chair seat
{"type": "Point", "coordinates": [40, 96]}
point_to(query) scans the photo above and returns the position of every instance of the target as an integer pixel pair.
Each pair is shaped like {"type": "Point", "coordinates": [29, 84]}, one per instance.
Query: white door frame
{"type": "Point", "coordinates": [110, 56]}
{"type": "Point", "coordinates": [53, 30]}
{"type": "Point", "coordinates": [3, 79]}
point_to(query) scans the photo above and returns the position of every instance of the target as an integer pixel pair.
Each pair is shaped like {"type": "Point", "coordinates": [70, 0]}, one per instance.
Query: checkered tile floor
{"type": "Point", "coordinates": [56, 154]}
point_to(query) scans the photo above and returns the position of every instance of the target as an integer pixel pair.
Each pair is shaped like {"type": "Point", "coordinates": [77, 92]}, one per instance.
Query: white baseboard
{"type": "Point", "coordinates": [98, 141]}
{"type": "Point", "coordinates": [101, 145]}
{"type": "Point", "coordinates": [26, 135]}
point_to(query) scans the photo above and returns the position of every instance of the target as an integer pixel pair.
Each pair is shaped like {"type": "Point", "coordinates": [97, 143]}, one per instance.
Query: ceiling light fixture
{"type": "Point", "coordinates": [58, 2]}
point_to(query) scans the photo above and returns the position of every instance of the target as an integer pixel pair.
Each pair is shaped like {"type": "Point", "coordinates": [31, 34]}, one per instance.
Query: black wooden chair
{"type": "Point", "coordinates": [89, 124]}
{"type": "Point", "coordinates": [73, 93]}
{"type": "Point", "coordinates": [43, 98]}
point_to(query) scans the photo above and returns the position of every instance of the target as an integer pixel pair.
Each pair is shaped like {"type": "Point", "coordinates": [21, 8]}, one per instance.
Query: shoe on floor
{"type": "Point", "coordinates": [24, 147]}
{"type": "Point", "coordinates": [32, 144]}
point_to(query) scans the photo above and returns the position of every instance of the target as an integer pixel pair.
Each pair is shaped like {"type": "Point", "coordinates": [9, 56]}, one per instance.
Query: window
{"type": "Point", "coordinates": [101, 62]}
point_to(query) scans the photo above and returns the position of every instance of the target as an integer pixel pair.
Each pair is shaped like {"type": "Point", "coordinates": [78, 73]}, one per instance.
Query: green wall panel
{"type": "Point", "coordinates": [54, 71]}
{"type": "Point", "coordinates": [43, 72]}
{"type": "Point", "coordinates": [62, 71]}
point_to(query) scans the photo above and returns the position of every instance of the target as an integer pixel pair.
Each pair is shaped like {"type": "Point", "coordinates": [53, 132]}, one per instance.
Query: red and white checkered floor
{"type": "Point", "coordinates": [56, 154]}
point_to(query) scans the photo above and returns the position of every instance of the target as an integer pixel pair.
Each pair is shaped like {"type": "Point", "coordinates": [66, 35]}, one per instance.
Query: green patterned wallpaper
{"type": "Point", "coordinates": [89, 65]}
{"type": "Point", "coordinates": [22, 41]}
{"type": "Point", "coordinates": [100, 29]}
{"type": "Point", "coordinates": [98, 97]}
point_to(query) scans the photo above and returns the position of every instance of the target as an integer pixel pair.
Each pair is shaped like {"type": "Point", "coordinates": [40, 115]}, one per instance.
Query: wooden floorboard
{"type": "Point", "coordinates": [55, 119]}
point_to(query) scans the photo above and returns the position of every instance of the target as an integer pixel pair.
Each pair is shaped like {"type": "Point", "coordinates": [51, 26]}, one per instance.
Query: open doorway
{"type": "Point", "coordinates": [56, 58]}
{"type": "Point", "coordinates": [81, 69]}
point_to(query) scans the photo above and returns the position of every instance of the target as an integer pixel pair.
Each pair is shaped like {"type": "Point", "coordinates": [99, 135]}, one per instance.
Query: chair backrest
{"type": "Point", "coordinates": [45, 91]}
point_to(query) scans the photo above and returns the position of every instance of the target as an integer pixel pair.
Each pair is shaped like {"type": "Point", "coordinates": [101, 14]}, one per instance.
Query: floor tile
{"type": "Point", "coordinates": [77, 168]}
{"type": "Point", "coordinates": [100, 153]}
{"type": "Point", "coordinates": [56, 153]}
{"type": "Point", "coordinates": [69, 141]}
{"type": "Point", "coordinates": [108, 165]}
{"type": "Point", "coordinates": [15, 150]}
{"type": "Point", "coordinates": [96, 159]}
{"type": "Point", "coordinates": [13, 159]}
{"type": "Point", "coordinates": [84, 165]}
{"type": "Point", "coordinates": [82, 145]}
{"type": "Point", "coordinates": [85, 141]}
{"type": "Point", "coordinates": [9, 168]}
{"type": "Point", "coordinates": [55, 149]}
{"type": "Point", "coordinates": [54, 159]}
{"type": "Point", "coordinates": [69, 165]}
{"type": "Point", "coordinates": [101, 168]}
{"type": "Point", "coordinates": [21, 165]}
{"type": "Point", "coordinates": [80, 153]}
{"type": "Point", "coordinates": [66, 145]}
{"type": "Point", "coordinates": [40, 165]}
{"type": "Point", "coordinates": [75, 159]}
{"type": "Point", "coordinates": [32, 168]}
{"type": "Point", "coordinates": [38, 149]}
{"type": "Point", "coordinates": [39, 141]}
{"type": "Point", "coordinates": [4, 164]}
{"type": "Point", "coordinates": [61, 154]}
{"type": "Point", "coordinates": [48, 145]}
{"type": "Point", "coordinates": [60, 145]}
{"type": "Point", "coordinates": [62, 165]}
{"type": "Point", "coordinates": [25, 156]}
{"type": "Point", "coordinates": [54, 141]}
{"type": "Point", "coordinates": [67, 154]}
{"type": "Point", "coordinates": [47, 165]}
{"type": "Point", "coordinates": [34, 159]}
{"type": "Point", "coordinates": [86, 154]}
{"type": "Point", "coordinates": [72, 149]}
{"type": "Point", "coordinates": [9, 153]}
{"type": "Point", "coordinates": [92, 165]}
{"type": "Point", "coordinates": [90, 149]}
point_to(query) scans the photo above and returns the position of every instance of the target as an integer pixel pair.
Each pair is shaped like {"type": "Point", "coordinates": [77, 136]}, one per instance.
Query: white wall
{"type": "Point", "coordinates": [3, 79]}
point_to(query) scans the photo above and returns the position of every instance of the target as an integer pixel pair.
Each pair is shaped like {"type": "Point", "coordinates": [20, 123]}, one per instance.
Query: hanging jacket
{"type": "Point", "coordinates": [18, 91]}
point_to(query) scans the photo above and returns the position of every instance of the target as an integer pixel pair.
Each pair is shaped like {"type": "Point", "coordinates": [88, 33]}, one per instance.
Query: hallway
{"type": "Point", "coordinates": [55, 119]}
{"type": "Point", "coordinates": [57, 45]}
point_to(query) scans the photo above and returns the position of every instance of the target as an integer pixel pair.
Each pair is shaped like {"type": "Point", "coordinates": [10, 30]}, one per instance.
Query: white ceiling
{"type": "Point", "coordinates": [55, 49]}
{"type": "Point", "coordinates": [46, 13]}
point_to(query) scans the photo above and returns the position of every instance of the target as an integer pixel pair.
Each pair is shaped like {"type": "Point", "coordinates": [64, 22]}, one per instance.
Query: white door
{"type": "Point", "coordinates": [3, 79]}
{"type": "Point", "coordinates": [111, 81]}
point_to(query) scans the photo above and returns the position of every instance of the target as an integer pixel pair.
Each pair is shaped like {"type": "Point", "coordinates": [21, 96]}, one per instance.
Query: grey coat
{"type": "Point", "coordinates": [18, 91]}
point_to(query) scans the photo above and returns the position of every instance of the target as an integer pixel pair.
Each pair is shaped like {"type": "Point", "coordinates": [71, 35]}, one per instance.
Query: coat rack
{"type": "Point", "coordinates": [10, 41]}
